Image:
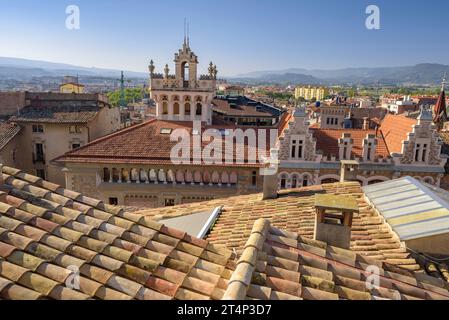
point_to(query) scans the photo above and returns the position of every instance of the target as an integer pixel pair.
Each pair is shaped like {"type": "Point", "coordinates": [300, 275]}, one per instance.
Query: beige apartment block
{"type": "Point", "coordinates": [53, 123]}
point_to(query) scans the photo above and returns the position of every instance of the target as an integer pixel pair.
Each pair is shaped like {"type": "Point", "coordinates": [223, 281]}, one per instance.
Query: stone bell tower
{"type": "Point", "coordinates": [183, 96]}
{"type": "Point", "coordinates": [186, 63]}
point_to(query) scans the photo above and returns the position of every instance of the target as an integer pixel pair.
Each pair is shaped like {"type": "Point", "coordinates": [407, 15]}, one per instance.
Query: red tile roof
{"type": "Point", "coordinates": [327, 141]}
{"type": "Point", "coordinates": [277, 264]}
{"type": "Point", "coordinates": [48, 233]}
{"type": "Point", "coordinates": [395, 129]}
{"type": "Point", "coordinates": [145, 144]}
{"type": "Point", "coordinates": [8, 131]}
{"type": "Point", "coordinates": [440, 108]}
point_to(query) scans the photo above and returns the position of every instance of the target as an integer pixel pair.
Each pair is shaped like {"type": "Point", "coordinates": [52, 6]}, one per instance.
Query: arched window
{"type": "Point", "coordinates": [283, 181]}
{"type": "Point", "coordinates": [199, 109]}
{"type": "Point", "coordinates": [185, 74]}
{"type": "Point", "coordinates": [176, 108]}
{"type": "Point", "coordinates": [164, 107]}
{"type": "Point", "coordinates": [115, 175]}
{"type": "Point", "coordinates": [187, 109]}
{"type": "Point", "coordinates": [215, 177]}
{"type": "Point", "coordinates": [294, 181]}
{"type": "Point", "coordinates": [206, 177]}
{"type": "Point", "coordinates": [106, 174]}
{"type": "Point", "coordinates": [305, 181]}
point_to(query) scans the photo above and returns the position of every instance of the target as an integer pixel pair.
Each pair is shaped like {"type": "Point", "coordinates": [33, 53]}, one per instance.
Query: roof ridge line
{"type": "Point", "coordinates": [241, 277]}
{"type": "Point", "coordinates": [371, 260]}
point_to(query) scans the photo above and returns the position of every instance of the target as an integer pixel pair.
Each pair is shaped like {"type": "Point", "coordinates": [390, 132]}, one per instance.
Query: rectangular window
{"type": "Point", "coordinates": [254, 179]}
{"type": "Point", "coordinates": [424, 153]}
{"type": "Point", "coordinates": [293, 151]}
{"type": "Point", "coordinates": [75, 146]}
{"type": "Point", "coordinates": [113, 201]}
{"type": "Point", "coordinates": [169, 202]}
{"type": "Point", "coordinates": [39, 148]}
{"type": "Point", "coordinates": [75, 129]}
{"type": "Point", "coordinates": [418, 147]}
{"type": "Point", "coordinates": [40, 173]}
{"type": "Point", "coordinates": [38, 128]}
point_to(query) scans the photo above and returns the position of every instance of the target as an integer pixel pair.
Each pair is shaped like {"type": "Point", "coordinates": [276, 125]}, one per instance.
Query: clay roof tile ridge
{"type": "Point", "coordinates": [241, 277]}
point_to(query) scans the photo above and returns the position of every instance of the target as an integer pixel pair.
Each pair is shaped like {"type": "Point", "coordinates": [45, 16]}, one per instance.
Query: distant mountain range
{"type": "Point", "coordinates": [24, 69]}
{"type": "Point", "coordinates": [420, 74]}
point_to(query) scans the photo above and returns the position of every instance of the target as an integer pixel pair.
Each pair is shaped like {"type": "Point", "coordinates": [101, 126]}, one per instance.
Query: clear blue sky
{"type": "Point", "coordinates": [238, 35]}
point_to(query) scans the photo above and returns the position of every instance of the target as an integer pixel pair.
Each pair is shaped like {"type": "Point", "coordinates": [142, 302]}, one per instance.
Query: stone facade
{"type": "Point", "coordinates": [183, 96]}
{"type": "Point", "coordinates": [420, 157]}
{"type": "Point", "coordinates": [160, 185]}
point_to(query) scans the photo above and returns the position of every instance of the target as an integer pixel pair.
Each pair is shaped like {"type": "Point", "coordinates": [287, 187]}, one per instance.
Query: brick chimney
{"type": "Point", "coordinates": [348, 170]}
{"type": "Point", "coordinates": [365, 123]}
{"type": "Point", "coordinates": [333, 219]}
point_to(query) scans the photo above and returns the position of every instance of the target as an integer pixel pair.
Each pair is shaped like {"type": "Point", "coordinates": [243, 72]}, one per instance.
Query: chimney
{"type": "Point", "coordinates": [365, 123]}
{"type": "Point", "coordinates": [270, 176]}
{"type": "Point", "coordinates": [348, 170]}
{"type": "Point", "coordinates": [333, 219]}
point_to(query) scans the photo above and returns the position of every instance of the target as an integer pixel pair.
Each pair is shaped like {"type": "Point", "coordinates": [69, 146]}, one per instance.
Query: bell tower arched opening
{"type": "Point", "coordinates": [185, 74]}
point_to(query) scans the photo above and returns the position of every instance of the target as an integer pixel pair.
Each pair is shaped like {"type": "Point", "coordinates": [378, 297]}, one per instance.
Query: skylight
{"type": "Point", "coordinates": [166, 131]}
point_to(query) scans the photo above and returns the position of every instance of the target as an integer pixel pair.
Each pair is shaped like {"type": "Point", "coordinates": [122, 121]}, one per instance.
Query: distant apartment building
{"type": "Point", "coordinates": [398, 104]}
{"type": "Point", "coordinates": [71, 85]}
{"type": "Point", "coordinates": [309, 92]}
{"type": "Point", "coordinates": [50, 124]}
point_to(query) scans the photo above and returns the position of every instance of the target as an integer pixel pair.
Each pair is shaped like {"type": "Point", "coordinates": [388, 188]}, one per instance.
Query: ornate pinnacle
{"type": "Point", "coordinates": [211, 69]}
{"type": "Point", "coordinates": [166, 71]}
{"type": "Point", "coordinates": [151, 67]}
{"type": "Point", "coordinates": [215, 71]}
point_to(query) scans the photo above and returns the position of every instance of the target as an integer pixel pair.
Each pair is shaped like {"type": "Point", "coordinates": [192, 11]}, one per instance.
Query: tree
{"type": "Point", "coordinates": [131, 95]}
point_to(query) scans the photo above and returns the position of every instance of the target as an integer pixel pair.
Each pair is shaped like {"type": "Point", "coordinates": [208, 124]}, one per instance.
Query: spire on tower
{"type": "Point", "coordinates": [185, 32]}
{"type": "Point", "coordinates": [188, 35]}
{"type": "Point", "coordinates": [444, 81]}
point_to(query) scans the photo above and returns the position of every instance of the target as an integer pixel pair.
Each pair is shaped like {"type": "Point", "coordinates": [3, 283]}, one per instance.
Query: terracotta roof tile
{"type": "Point", "coordinates": [327, 276]}
{"type": "Point", "coordinates": [154, 147]}
{"type": "Point", "coordinates": [395, 130]}
{"type": "Point", "coordinates": [327, 141]}
{"type": "Point", "coordinates": [130, 256]}
{"type": "Point", "coordinates": [119, 255]}
{"type": "Point", "coordinates": [8, 131]}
